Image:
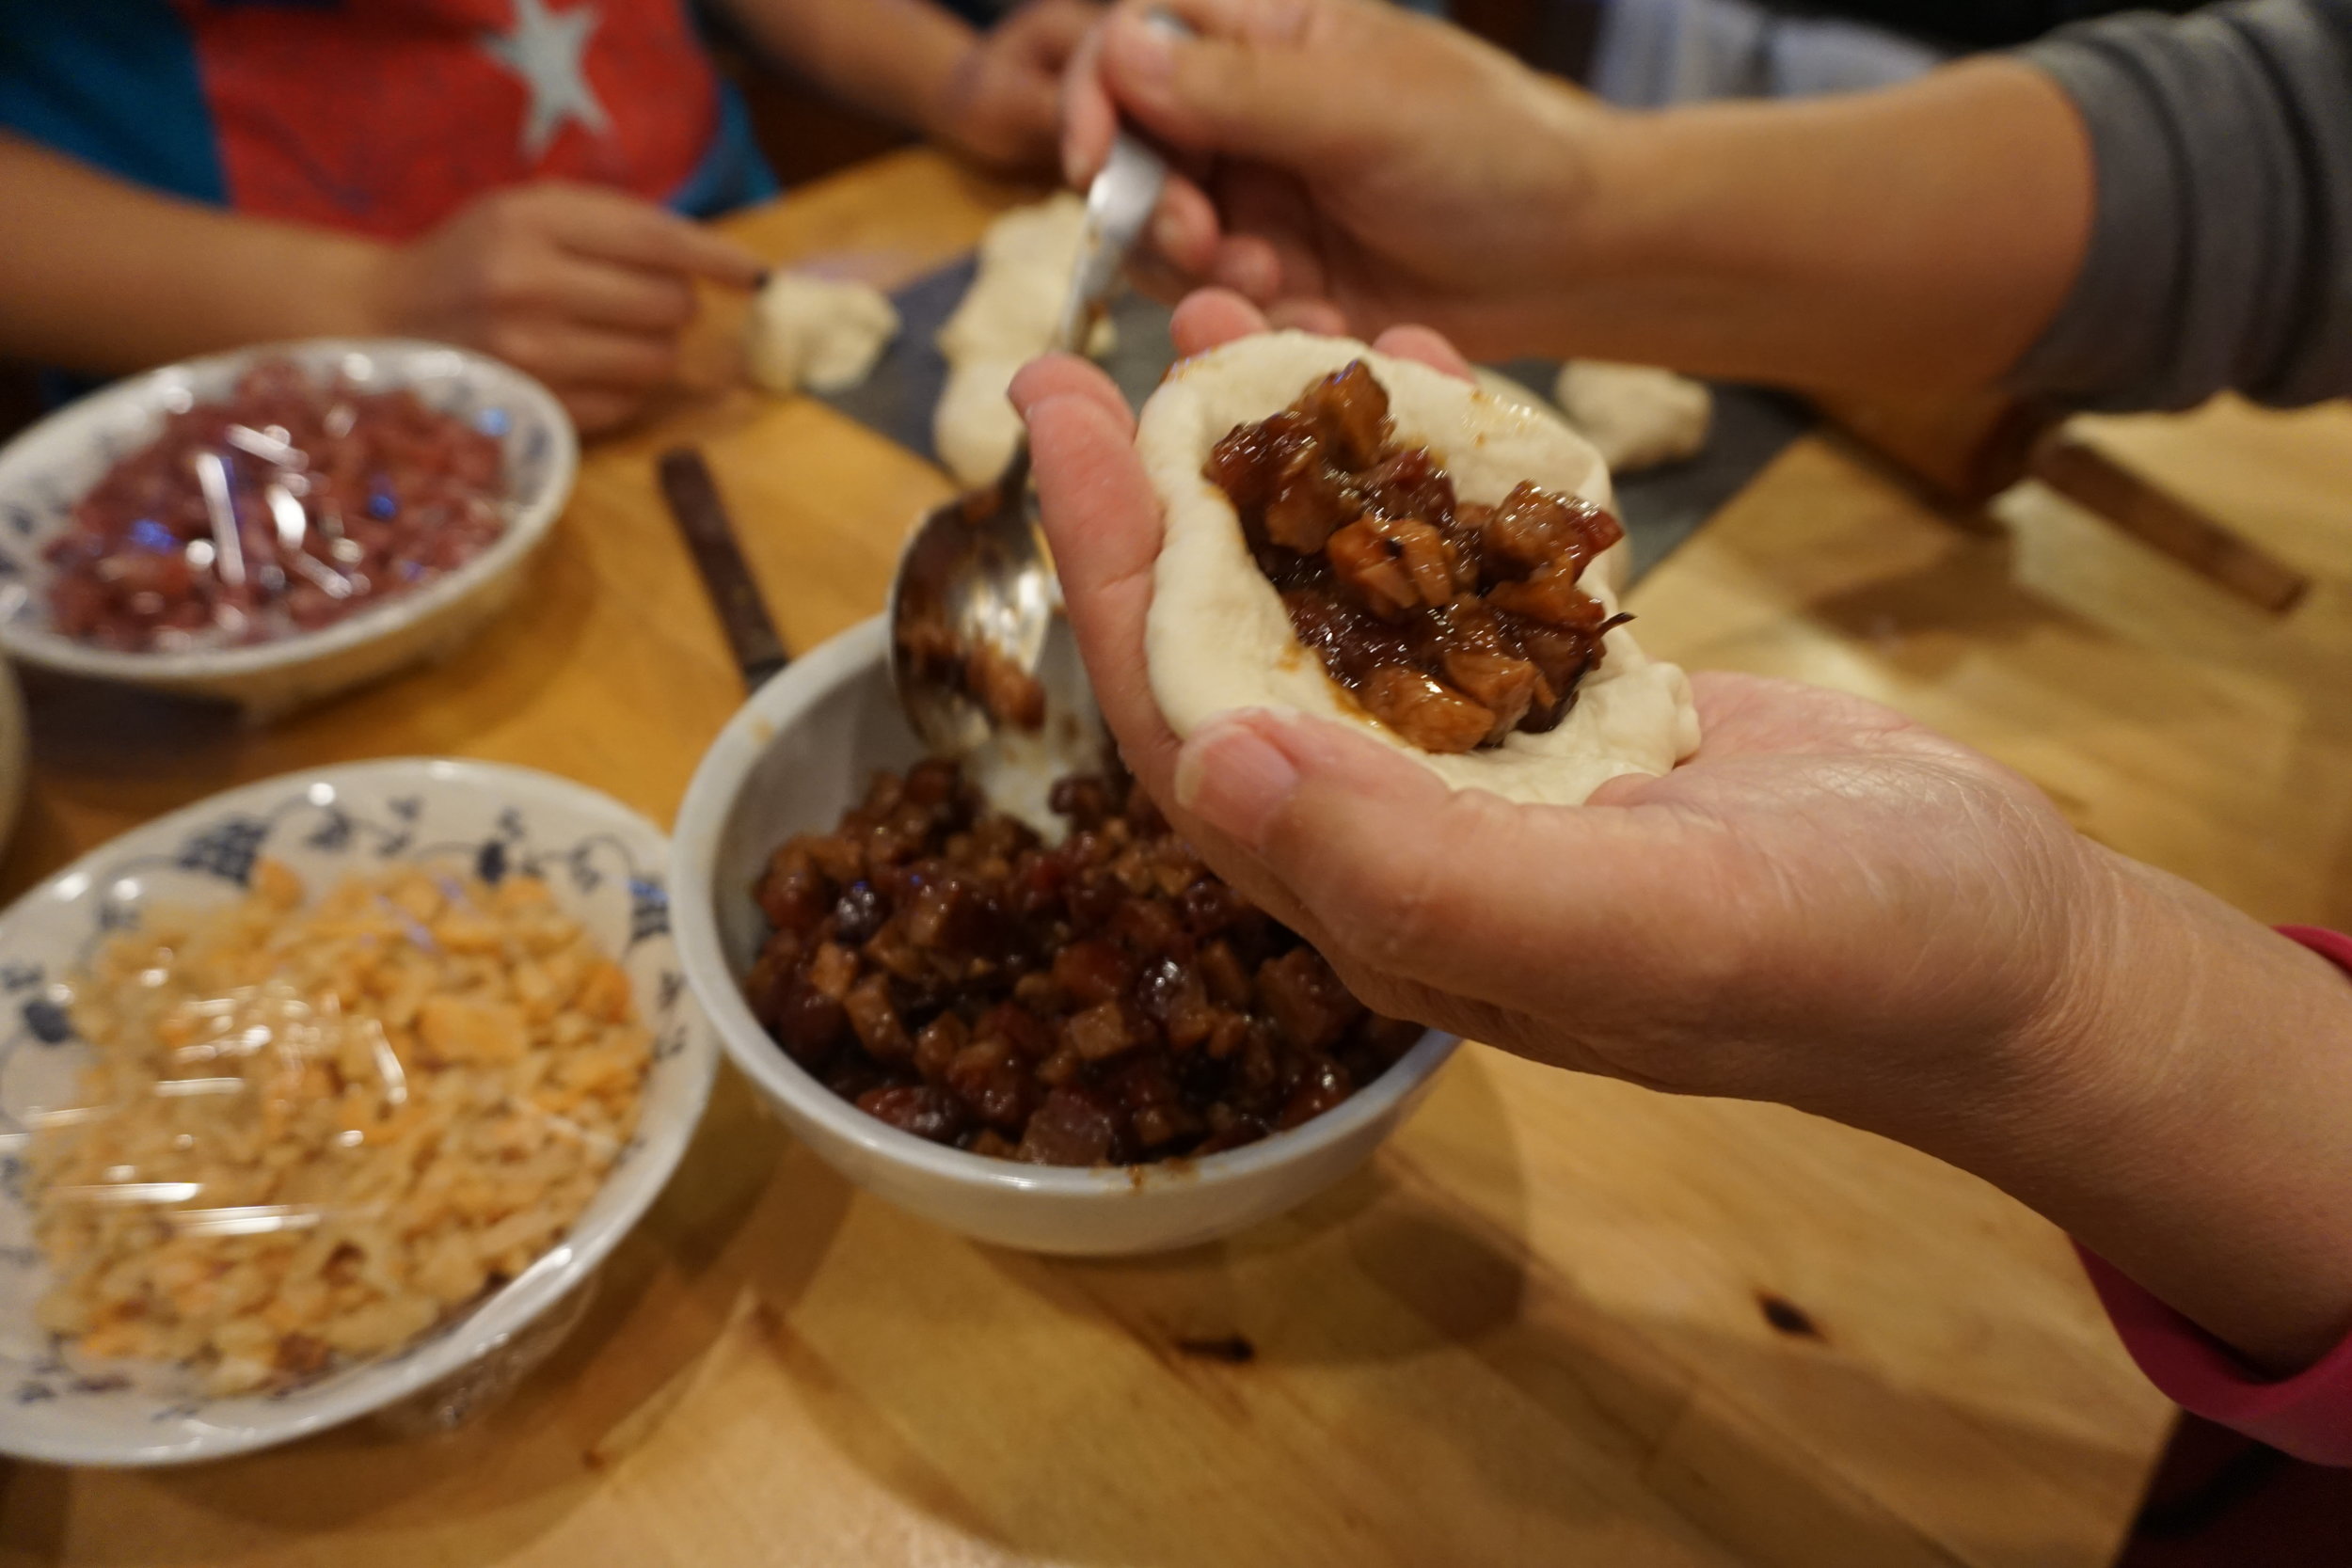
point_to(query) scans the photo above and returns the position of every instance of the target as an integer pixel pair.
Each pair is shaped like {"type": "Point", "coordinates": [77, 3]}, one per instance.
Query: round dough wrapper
{"type": "Point", "coordinates": [817, 333]}
{"type": "Point", "coordinates": [1219, 639]}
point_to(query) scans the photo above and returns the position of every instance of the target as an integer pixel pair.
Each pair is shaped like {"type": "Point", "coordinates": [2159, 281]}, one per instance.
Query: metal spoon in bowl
{"type": "Point", "coordinates": [977, 645]}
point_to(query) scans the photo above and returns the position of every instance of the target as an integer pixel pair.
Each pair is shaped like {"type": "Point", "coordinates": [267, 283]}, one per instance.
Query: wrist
{"type": "Point", "coordinates": [340, 286]}
{"type": "Point", "coordinates": [2184, 1108]}
{"type": "Point", "coordinates": [1631, 266]}
{"type": "Point", "coordinates": [1607, 182]}
{"type": "Point", "coordinates": [1916, 237]}
{"type": "Point", "coordinates": [946, 83]}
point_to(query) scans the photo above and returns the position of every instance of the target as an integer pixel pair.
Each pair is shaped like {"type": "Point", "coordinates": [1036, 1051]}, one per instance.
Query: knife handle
{"type": "Point", "coordinates": [692, 495]}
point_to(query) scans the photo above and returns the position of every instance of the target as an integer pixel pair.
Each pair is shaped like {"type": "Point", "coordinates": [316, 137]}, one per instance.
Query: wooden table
{"type": "Point", "coordinates": [1556, 1322]}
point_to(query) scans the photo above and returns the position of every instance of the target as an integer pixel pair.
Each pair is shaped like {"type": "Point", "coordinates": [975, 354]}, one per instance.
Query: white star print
{"type": "Point", "coordinates": [547, 49]}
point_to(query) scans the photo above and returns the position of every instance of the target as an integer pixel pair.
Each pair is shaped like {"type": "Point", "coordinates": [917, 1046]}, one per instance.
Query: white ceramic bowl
{"type": "Point", "coordinates": [16, 759]}
{"type": "Point", "coordinates": [50, 466]}
{"type": "Point", "coordinates": [798, 754]}
{"type": "Point", "coordinates": [606, 866]}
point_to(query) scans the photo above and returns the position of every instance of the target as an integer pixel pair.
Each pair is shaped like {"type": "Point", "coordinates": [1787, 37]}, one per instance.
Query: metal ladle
{"type": "Point", "coordinates": [978, 565]}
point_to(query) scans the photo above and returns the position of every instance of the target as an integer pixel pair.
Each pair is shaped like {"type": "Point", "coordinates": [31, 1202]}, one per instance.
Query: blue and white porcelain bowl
{"type": "Point", "coordinates": [50, 466]}
{"type": "Point", "coordinates": [607, 867]}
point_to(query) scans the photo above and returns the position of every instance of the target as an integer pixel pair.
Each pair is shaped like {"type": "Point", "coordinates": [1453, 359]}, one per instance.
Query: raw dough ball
{"type": "Point", "coordinates": [817, 333]}
{"type": "Point", "coordinates": [1638, 416]}
{"type": "Point", "coordinates": [1015, 300]}
{"type": "Point", "coordinates": [1005, 319]}
{"type": "Point", "coordinates": [1218, 638]}
{"type": "Point", "coordinates": [975, 426]}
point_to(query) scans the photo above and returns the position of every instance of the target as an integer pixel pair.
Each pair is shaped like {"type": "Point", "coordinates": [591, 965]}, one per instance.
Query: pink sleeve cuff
{"type": "Point", "coordinates": [2309, 1414]}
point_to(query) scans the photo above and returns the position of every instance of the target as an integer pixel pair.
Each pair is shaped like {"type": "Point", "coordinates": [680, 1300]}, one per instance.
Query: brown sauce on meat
{"type": "Point", "coordinates": [936, 652]}
{"type": "Point", "coordinates": [1108, 1000]}
{"type": "Point", "coordinates": [1453, 624]}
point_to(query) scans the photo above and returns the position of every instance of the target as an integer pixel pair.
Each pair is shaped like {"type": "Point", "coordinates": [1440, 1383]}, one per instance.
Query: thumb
{"type": "Point", "coordinates": [1249, 85]}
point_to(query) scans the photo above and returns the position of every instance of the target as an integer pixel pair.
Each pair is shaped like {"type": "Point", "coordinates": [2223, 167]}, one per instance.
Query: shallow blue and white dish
{"type": "Point", "coordinates": [46, 469]}
{"type": "Point", "coordinates": [607, 867]}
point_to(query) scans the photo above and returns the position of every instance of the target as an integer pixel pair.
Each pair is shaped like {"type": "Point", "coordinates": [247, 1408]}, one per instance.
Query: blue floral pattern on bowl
{"type": "Point", "coordinates": [607, 868]}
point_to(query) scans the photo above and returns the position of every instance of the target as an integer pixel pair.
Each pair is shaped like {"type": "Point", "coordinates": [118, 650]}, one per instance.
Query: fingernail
{"type": "Point", "coordinates": [1166, 23]}
{"type": "Point", "coordinates": [1146, 52]}
{"type": "Point", "coordinates": [1234, 779]}
{"type": "Point", "coordinates": [1024, 399]}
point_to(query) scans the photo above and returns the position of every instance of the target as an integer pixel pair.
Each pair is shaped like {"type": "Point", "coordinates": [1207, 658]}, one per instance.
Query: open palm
{"type": "Point", "coordinates": [1828, 905]}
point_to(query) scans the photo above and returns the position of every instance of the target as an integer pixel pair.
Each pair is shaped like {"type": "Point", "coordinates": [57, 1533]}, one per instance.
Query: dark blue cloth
{"type": "Point", "coordinates": [114, 84]}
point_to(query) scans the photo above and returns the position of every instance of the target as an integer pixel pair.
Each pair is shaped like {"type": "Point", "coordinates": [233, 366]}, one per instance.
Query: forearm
{"type": "Point", "coordinates": [893, 59]}
{"type": "Point", "coordinates": [2223, 142]}
{"type": "Point", "coordinates": [100, 276]}
{"type": "Point", "coordinates": [2198, 1131]}
{"type": "Point", "coordinates": [1920, 236]}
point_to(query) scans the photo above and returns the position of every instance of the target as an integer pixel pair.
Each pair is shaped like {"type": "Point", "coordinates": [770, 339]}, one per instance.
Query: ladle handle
{"type": "Point", "coordinates": [1118, 203]}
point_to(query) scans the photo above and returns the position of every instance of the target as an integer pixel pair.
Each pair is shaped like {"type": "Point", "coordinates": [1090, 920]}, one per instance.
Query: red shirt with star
{"type": "Point", "coordinates": [385, 116]}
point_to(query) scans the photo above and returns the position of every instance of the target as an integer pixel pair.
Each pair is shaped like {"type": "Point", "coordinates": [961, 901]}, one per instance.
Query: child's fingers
{"type": "Point", "coordinates": [617, 228]}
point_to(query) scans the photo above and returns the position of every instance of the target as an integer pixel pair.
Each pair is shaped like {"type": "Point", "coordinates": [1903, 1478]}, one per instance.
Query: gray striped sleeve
{"type": "Point", "coordinates": [2221, 253]}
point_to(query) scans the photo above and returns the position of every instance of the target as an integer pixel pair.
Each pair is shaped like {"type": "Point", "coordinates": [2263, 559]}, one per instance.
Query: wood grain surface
{"type": "Point", "coordinates": [1557, 1320]}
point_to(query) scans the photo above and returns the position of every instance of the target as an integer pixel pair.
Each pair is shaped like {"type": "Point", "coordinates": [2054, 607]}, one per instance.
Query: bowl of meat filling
{"type": "Point", "coordinates": [275, 525]}
{"type": "Point", "coordinates": [1063, 1033]}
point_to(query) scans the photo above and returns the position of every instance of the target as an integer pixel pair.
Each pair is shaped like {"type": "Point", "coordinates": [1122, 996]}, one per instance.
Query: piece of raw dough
{"type": "Point", "coordinates": [1005, 319]}
{"type": "Point", "coordinates": [816, 333]}
{"type": "Point", "coordinates": [1219, 639]}
{"type": "Point", "coordinates": [975, 426]}
{"type": "Point", "coordinates": [1638, 416]}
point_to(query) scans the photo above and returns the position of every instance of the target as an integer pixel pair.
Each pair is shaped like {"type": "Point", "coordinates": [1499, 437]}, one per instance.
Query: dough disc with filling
{"type": "Point", "coordinates": [1219, 639]}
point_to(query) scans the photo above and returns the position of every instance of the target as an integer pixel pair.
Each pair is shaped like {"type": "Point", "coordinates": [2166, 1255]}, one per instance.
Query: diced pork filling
{"type": "Point", "coordinates": [1453, 623]}
{"type": "Point", "coordinates": [1106, 1000]}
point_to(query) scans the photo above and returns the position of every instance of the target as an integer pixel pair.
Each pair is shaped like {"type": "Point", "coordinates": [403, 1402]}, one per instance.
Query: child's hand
{"type": "Point", "coordinates": [585, 288]}
{"type": "Point", "coordinates": [1003, 107]}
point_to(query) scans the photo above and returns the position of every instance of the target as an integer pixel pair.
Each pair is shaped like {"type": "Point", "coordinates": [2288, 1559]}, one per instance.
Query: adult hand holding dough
{"type": "Point", "coordinates": [1664, 933]}
{"type": "Point", "coordinates": [1827, 905]}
